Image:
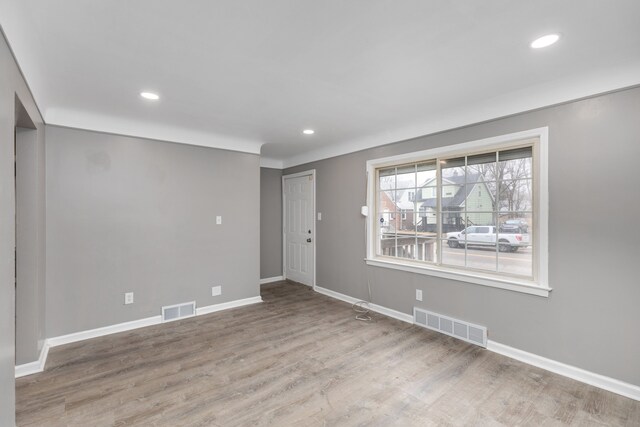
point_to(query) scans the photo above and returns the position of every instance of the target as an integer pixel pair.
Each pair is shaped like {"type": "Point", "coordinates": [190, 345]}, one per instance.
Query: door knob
{"type": "Point", "coordinates": [309, 240]}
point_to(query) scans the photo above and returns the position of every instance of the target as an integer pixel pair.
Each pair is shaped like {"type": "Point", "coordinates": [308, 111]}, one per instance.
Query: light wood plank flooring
{"type": "Point", "coordinates": [301, 359]}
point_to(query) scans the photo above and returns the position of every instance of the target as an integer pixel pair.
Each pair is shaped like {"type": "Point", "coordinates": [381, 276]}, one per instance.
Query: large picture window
{"type": "Point", "coordinates": [470, 211]}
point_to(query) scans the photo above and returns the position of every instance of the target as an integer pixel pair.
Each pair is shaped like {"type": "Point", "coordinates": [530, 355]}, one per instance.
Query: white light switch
{"type": "Point", "coordinates": [218, 220]}
{"type": "Point", "coordinates": [128, 298]}
{"type": "Point", "coordinates": [319, 216]}
{"type": "Point", "coordinates": [216, 290]}
{"type": "Point", "coordinates": [419, 294]}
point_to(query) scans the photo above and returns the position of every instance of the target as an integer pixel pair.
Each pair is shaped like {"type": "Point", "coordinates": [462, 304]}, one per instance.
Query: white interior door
{"type": "Point", "coordinates": [299, 227]}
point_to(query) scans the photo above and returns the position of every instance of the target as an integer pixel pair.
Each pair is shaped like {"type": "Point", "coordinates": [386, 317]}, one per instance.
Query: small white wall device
{"type": "Point", "coordinates": [364, 210]}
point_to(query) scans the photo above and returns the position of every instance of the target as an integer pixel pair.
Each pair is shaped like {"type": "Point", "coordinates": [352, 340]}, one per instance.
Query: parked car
{"type": "Point", "coordinates": [485, 235]}
{"type": "Point", "coordinates": [519, 223]}
{"type": "Point", "coordinates": [508, 228]}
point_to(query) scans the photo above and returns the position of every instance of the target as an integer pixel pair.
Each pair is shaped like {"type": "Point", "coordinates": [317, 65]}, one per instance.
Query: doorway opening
{"type": "Point", "coordinates": [29, 237]}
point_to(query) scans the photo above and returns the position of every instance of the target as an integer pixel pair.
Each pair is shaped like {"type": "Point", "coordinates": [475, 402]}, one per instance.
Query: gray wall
{"type": "Point", "coordinates": [270, 223]}
{"type": "Point", "coordinates": [11, 84]}
{"type": "Point", "coordinates": [134, 215]}
{"type": "Point", "coordinates": [591, 318]}
{"type": "Point", "coordinates": [30, 245]}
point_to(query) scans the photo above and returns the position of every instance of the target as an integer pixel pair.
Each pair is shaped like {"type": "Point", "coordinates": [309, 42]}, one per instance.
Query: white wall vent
{"type": "Point", "coordinates": [178, 311]}
{"type": "Point", "coordinates": [456, 328]}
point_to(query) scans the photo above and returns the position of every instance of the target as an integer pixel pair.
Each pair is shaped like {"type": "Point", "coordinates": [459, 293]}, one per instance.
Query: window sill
{"type": "Point", "coordinates": [511, 284]}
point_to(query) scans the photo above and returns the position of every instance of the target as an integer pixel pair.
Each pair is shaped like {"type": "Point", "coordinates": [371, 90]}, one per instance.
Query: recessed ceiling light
{"type": "Point", "coordinates": [545, 41]}
{"type": "Point", "coordinates": [150, 95]}
{"type": "Point", "coordinates": [308, 131]}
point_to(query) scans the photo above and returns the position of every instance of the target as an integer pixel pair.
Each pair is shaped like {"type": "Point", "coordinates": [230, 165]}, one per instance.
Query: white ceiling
{"type": "Point", "coordinates": [239, 74]}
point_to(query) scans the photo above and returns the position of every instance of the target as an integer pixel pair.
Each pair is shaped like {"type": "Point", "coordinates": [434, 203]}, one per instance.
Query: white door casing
{"type": "Point", "coordinates": [299, 227]}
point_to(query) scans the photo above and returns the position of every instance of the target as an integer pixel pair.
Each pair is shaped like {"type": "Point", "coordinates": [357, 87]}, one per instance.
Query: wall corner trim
{"type": "Point", "coordinates": [38, 365]}
{"type": "Point", "coordinates": [408, 318]}
{"type": "Point", "coordinates": [606, 383]}
{"type": "Point", "coordinates": [271, 279]}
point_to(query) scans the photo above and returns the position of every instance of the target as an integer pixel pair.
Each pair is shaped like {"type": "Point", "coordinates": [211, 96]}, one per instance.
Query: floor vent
{"type": "Point", "coordinates": [178, 311]}
{"type": "Point", "coordinates": [456, 328]}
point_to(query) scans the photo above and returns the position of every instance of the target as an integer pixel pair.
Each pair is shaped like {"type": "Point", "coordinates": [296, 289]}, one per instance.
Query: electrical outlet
{"type": "Point", "coordinates": [219, 220]}
{"type": "Point", "coordinates": [419, 294]}
{"type": "Point", "coordinates": [128, 298]}
{"type": "Point", "coordinates": [216, 290]}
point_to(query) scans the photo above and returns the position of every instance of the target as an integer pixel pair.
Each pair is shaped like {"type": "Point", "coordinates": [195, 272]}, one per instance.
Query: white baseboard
{"type": "Point", "coordinates": [606, 383]}
{"type": "Point", "coordinates": [373, 307]}
{"type": "Point", "coordinates": [271, 279]}
{"type": "Point", "coordinates": [34, 367]}
{"type": "Point", "coordinates": [38, 366]}
{"type": "Point", "coordinates": [28, 369]}
{"type": "Point", "coordinates": [106, 330]}
{"type": "Point", "coordinates": [227, 305]}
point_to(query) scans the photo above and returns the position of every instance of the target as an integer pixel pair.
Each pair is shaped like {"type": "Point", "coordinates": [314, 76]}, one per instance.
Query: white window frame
{"type": "Point", "coordinates": [540, 285]}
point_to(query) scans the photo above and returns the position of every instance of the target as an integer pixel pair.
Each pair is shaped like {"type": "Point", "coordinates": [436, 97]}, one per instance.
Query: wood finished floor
{"type": "Point", "coordinates": [301, 359]}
